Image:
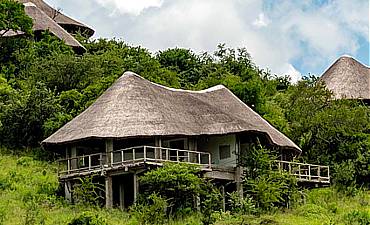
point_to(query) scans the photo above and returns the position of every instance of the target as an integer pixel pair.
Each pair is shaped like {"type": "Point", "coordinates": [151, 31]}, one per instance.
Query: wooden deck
{"type": "Point", "coordinates": [141, 156]}
{"type": "Point", "coordinates": [306, 172]}
{"type": "Point", "coordinates": [130, 157]}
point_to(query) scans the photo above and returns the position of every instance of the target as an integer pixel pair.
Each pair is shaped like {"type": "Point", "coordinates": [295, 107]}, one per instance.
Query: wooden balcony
{"type": "Point", "coordinates": [130, 157]}
{"type": "Point", "coordinates": [306, 172]}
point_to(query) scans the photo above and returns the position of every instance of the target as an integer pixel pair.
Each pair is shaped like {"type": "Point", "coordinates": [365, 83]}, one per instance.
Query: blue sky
{"type": "Point", "coordinates": [286, 36]}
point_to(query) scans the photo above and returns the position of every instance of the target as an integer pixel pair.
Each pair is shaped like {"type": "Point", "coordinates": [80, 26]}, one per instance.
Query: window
{"type": "Point", "coordinates": [224, 151]}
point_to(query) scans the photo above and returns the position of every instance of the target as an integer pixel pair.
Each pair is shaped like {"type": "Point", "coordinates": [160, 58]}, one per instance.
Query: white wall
{"type": "Point", "coordinates": [212, 143]}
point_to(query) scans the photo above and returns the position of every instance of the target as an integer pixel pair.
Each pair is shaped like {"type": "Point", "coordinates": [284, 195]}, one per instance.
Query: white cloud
{"type": "Point", "coordinates": [131, 7]}
{"type": "Point", "coordinates": [261, 21]}
{"type": "Point", "coordinates": [294, 32]}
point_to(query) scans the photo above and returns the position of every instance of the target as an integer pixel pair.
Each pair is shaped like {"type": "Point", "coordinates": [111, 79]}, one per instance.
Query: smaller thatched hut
{"type": "Point", "coordinates": [69, 24]}
{"type": "Point", "coordinates": [45, 18]}
{"type": "Point", "coordinates": [348, 78]}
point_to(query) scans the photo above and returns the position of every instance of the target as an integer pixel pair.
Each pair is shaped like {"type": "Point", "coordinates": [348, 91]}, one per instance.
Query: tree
{"type": "Point", "coordinates": [13, 18]}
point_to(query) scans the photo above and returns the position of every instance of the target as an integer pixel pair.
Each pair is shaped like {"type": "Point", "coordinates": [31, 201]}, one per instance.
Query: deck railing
{"type": "Point", "coordinates": [306, 172]}
{"type": "Point", "coordinates": [159, 155]}
{"type": "Point", "coordinates": [130, 157]}
{"type": "Point", "coordinates": [76, 164]}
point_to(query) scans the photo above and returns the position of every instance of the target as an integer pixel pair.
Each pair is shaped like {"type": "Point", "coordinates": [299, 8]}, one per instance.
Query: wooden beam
{"type": "Point", "coordinates": [136, 187]}
{"type": "Point", "coordinates": [109, 150]}
{"type": "Point", "coordinates": [108, 192]}
{"type": "Point", "coordinates": [239, 180]}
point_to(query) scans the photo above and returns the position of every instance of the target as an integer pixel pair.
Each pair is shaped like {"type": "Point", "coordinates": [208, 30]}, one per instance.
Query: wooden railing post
{"type": "Point", "coordinates": [122, 157]}
{"type": "Point", "coordinates": [188, 156]}
{"type": "Point", "coordinates": [199, 158]}
{"type": "Point", "coordinates": [177, 156]}
{"type": "Point", "coordinates": [133, 154]}
{"type": "Point", "coordinates": [68, 165]}
{"type": "Point", "coordinates": [144, 153]}
{"type": "Point", "coordinates": [89, 162]}
{"type": "Point", "coordinates": [309, 172]}
{"type": "Point", "coordinates": [209, 160]}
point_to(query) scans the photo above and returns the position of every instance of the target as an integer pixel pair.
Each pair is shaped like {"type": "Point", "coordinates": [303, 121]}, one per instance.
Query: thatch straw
{"type": "Point", "coordinates": [66, 22]}
{"type": "Point", "coordinates": [347, 78]}
{"type": "Point", "coordinates": [42, 22]}
{"type": "Point", "coordinates": [135, 107]}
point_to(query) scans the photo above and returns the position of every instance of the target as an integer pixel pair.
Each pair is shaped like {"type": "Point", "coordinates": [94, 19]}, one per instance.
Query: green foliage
{"type": "Point", "coordinates": [210, 202]}
{"type": "Point", "coordinates": [13, 17]}
{"type": "Point", "coordinates": [245, 205]}
{"type": "Point", "coordinates": [179, 183]}
{"type": "Point", "coordinates": [87, 192]}
{"type": "Point", "coordinates": [358, 218]}
{"type": "Point", "coordinates": [88, 218]}
{"type": "Point", "coordinates": [269, 188]}
{"type": "Point", "coordinates": [154, 211]}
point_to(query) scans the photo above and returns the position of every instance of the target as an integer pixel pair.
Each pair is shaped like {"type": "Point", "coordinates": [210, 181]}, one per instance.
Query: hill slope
{"type": "Point", "coordinates": [28, 187]}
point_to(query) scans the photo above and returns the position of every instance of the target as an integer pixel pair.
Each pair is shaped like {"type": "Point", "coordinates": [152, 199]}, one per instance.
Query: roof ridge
{"type": "Point", "coordinates": [211, 89]}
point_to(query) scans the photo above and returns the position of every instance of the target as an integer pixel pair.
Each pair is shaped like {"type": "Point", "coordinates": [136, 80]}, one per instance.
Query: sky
{"type": "Point", "coordinates": [288, 37]}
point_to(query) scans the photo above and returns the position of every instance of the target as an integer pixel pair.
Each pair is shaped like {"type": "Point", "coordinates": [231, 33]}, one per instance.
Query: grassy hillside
{"type": "Point", "coordinates": [28, 187]}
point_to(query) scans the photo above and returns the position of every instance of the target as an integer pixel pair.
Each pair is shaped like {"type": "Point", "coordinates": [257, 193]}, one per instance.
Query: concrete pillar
{"type": "Point", "coordinates": [108, 192]}
{"type": "Point", "coordinates": [239, 180]}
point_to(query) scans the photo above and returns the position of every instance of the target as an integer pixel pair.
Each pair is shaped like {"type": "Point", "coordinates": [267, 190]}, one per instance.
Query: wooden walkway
{"type": "Point", "coordinates": [306, 172]}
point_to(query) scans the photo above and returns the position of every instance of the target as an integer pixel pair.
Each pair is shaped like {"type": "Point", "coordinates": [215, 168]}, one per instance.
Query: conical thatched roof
{"type": "Point", "coordinates": [135, 107]}
{"type": "Point", "coordinates": [66, 22]}
{"type": "Point", "coordinates": [42, 22]}
{"type": "Point", "coordinates": [348, 78]}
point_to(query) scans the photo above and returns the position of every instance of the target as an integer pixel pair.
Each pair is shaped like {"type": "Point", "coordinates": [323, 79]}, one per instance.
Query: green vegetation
{"type": "Point", "coordinates": [28, 186]}
{"type": "Point", "coordinates": [44, 84]}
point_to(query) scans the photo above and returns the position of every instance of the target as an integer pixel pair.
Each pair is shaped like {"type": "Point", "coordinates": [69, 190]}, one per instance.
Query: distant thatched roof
{"type": "Point", "coordinates": [42, 22]}
{"type": "Point", "coordinates": [66, 22]}
{"type": "Point", "coordinates": [135, 107]}
{"type": "Point", "coordinates": [348, 78]}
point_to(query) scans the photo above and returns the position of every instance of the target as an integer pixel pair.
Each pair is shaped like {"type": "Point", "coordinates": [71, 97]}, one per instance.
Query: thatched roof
{"type": "Point", "coordinates": [348, 78]}
{"type": "Point", "coordinates": [66, 22]}
{"type": "Point", "coordinates": [42, 22]}
{"type": "Point", "coordinates": [135, 107]}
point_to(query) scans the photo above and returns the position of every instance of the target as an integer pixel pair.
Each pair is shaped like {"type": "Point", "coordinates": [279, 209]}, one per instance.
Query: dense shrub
{"type": "Point", "coordinates": [88, 218]}
{"type": "Point", "coordinates": [358, 218]}
{"type": "Point", "coordinates": [269, 188]}
{"type": "Point", "coordinates": [152, 211]}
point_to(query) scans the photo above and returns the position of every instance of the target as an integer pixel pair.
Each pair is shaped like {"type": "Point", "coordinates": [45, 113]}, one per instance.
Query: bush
{"type": "Point", "coordinates": [268, 188]}
{"type": "Point", "coordinates": [88, 218]}
{"type": "Point", "coordinates": [358, 218]}
{"type": "Point", "coordinates": [240, 205]}
{"type": "Point", "coordinates": [88, 192]}
{"type": "Point", "coordinates": [178, 183]}
{"type": "Point", "coordinates": [154, 211]}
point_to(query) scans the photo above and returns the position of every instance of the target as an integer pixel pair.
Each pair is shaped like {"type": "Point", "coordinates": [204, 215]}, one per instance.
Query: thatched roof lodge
{"type": "Point", "coordinates": [135, 107]}
{"type": "Point", "coordinates": [348, 78]}
{"type": "Point", "coordinates": [137, 125]}
{"type": "Point", "coordinates": [69, 24]}
{"type": "Point", "coordinates": [45, 18]}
